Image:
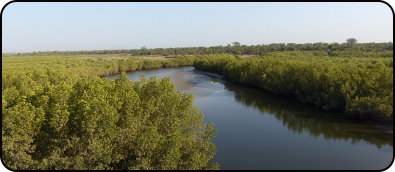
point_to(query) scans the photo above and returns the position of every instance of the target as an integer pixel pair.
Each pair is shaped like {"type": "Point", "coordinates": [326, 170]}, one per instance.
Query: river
{"type": "Point", "coordinates": [258, 130]}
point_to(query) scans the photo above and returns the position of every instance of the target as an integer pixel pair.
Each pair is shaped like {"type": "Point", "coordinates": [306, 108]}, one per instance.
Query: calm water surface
{"type": "Point", "coordinates": [257, 130]}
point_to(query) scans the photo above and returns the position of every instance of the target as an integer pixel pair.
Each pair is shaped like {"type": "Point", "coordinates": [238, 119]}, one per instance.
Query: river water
{"type": "Point", "coordinates": [258, 130]}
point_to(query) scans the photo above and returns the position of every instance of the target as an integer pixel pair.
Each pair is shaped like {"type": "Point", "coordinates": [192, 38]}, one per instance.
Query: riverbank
{"type": "Point", "coordinates": [261, 124]}
{"type": "Point", "coordinates": [363, 88]}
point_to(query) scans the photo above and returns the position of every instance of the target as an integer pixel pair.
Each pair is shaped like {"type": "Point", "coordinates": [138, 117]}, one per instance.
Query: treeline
{"type": "Point", "coordinates": [361, 87]}
{"type": "Point", "coordinates": [57, 114]}
{"type": "Point", "coordinates": [237, 49]}
{"type": "Point", "coordinates": [94, 67]}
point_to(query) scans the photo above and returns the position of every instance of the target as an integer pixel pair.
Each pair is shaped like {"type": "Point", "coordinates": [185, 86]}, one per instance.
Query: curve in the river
{"type": "Point", "coordinates": [258, 130]}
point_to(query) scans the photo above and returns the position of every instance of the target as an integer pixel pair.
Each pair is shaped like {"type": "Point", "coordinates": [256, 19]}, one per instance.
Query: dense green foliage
{"type": "Point", "coordinates": [57, 114]}
{"type": "Point", "coordinates": [362, 87]}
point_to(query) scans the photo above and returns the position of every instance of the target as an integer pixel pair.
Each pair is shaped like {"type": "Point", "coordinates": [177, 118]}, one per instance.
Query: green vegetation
{"type": "Point", "coordinates": [57, 114]}
{"type": "Point", "coordinates": [100, 66]}
{"type": "Point", "coordinates": [362, 87]}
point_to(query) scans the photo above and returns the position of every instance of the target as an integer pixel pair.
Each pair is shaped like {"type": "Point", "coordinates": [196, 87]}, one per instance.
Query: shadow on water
{"type": "Point", "coordinates": [298, 117]}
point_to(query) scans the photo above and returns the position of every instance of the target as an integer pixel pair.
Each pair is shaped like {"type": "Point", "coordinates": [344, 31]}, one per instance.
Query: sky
{"type": "Point", "coordinates": [58, 26]}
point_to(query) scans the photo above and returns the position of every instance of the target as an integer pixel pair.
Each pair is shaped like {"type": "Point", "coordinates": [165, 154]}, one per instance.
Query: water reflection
{"type": "Point", "coordinates": [298, 117]}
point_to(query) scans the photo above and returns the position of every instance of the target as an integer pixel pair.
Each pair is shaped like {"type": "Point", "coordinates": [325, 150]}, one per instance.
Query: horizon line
{"type": "Point", "coordinates": [26, 52]}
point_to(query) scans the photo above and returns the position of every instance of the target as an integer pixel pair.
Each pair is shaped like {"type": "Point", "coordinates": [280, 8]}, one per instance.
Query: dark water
{"type": "Point", "coordinates": [257, 130]}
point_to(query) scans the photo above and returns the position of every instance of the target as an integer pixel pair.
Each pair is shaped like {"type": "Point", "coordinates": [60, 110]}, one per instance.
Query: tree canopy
{"type": "Point", "coordinates": [60, 115]}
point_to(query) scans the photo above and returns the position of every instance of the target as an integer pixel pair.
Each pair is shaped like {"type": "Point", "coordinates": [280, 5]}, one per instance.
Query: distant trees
{"type": "Point", "coordinates": [236, 44]}
{"type": "Point", "coordinates": [351, 41]}
{"type": "Point", "coordinates": [237, 52]}
{"type": "Point", "coordinates": [144, 51]}
{"type": "Point", "coordinates": [244, 49]}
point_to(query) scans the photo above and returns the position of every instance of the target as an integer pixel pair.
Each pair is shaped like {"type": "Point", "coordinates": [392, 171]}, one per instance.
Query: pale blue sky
{"type": "Point", "coordinates": [42, 26]}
